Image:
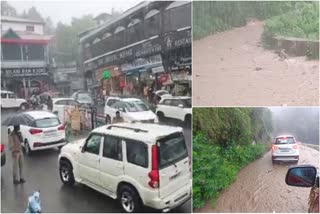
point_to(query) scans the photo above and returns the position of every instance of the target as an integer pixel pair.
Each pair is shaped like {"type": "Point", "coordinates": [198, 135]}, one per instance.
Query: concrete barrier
{"type": "Point", "coordinates": [297, 46]}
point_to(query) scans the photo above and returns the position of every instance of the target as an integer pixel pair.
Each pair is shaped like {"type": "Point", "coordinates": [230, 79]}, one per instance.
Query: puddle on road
{"type": "Point", "coordinates": [261, 187]}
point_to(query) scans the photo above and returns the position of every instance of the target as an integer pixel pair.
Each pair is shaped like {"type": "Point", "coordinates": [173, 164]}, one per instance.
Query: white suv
{"type": "Point", "coordinates": [130, 109]}
{"type": "Point", "coordinates": [138, 164]}
{"type": "Point", "coordinates": [10, 100]}
{"type": "Point", "coordinates": [285, 148]}
{"type": "Point", "coordinates": [178, 108]}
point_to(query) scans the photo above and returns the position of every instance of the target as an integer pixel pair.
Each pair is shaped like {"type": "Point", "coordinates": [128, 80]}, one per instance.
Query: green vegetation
{"type": "Point", "coordinates": [222, 145]}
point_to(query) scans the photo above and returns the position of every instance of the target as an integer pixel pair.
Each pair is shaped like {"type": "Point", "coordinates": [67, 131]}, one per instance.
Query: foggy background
{"type": "Point", "coordinates": [301, 122]}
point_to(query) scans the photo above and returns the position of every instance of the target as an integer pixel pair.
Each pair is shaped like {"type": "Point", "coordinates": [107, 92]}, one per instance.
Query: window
{"type": "Point", "coordinates": [137, 153]}
{"type": "Point", "coordinates": [12, 96]}
{"type": "Point", "coordinates": [72, 103]}
{"type": "Point", "coordinates": [3, 95]}
{"type": "Point", "coordinates": [176, 102]}
{"type": "Point", "coordinates": [61, 102]}
{"type": "Point", "coordinates": [111, 102]}
{"type": "Point", "coordinates": [30, 28]}
{"type": "Point", "coordinates": [47, 122]}
{"type": "Point", "coordinates": [93, 144]}
{"type": "Point", "coordinates": [167, 102]}
{"type": "Point", "coordinates": [112, 148]}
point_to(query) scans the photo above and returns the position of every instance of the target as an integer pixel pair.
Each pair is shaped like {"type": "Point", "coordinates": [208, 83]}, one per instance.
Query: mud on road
{"type": "Point", "coordinates": [233, 69]}
{"type": "Point", "coordinates": [261, 187]}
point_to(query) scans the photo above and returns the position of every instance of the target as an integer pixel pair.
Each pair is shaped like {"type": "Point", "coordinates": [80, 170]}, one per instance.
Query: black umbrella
{"type": "Point", "coordinates": [17, 119]}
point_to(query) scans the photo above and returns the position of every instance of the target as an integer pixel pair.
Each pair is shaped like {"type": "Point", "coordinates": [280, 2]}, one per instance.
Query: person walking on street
{"type": "Point", "coordinates": [15, 140]}
{"type": "Point", "coordinates": [50, 103]}
{"type": "Point", "coordinates": [117, 118]}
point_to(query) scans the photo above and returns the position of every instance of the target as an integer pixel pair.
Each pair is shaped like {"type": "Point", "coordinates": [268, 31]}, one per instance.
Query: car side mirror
{"type": "Point", "coordinates": [82, 149]}
{"type": "Point", "coordinates": [301, 176]}
{"type": "Point", "coordinates": [180, 106]}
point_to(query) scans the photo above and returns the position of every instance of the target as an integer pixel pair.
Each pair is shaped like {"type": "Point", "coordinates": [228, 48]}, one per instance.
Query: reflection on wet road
{"type": "Point", "coordinates": [261, 187]}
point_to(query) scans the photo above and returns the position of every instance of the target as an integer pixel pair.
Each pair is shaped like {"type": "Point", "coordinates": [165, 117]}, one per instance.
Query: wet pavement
{"type": "Point", "coordinates": [233, 69]}
{"type": "Point", "coordinates": [41, 173]}
{"type": "Point", "coordinates": [261, 187]}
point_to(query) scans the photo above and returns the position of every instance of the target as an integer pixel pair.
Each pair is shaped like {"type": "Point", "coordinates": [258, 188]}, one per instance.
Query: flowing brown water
{"type": "Point", "coordinates": [261, 187]}
{"type": "Point", "coordinates": [232, 69]}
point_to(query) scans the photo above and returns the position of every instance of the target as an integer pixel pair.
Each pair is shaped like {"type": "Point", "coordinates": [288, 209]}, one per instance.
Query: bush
{"type": "Point", "coordinates": [215, 167]}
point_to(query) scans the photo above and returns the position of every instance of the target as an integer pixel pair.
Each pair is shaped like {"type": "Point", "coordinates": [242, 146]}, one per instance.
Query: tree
{"type": "Point", "coordinates": [34, 14]}
{"type": "Point", "coordinates": [7, 9]}
{"type": "Point", "coordinates": [49, 27]}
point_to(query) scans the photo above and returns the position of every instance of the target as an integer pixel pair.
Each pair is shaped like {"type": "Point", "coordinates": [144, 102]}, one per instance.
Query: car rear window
{"type": "Point", "coordinates": [285, 140]}
{"type": "Point", "coordinates": [47, 122]}
{"type": "Point", "coordinates": [172, 150]}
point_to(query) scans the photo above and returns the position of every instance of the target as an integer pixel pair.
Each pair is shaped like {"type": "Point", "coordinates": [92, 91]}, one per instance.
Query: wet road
{"type": "Point", "coordinates": [261, 187]}
{"type": "Point", "coordinates": [232, 69]}
{"type": "Point", "coordinates": [41, 173]}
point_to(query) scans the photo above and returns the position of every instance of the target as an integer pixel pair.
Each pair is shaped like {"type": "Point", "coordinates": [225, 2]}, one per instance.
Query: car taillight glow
{"type": "Point", "coordinates": [154, 174]}
{"type": "Point", "coordinates": [295, 146]}
{"type": "Point", "coordinates": [2, 147]}
{"type": "Point", "coordinates": [35, 131]}
{"type": "Point", "coordinates": [274, 147]}
{"type": "Point", "coordinates": [61, 127]}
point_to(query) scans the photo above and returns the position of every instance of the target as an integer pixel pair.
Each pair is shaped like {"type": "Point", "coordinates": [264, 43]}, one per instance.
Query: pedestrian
{"type": "Point", "coordinates": [118, 118]}
{"type": "Point", "coordinates": [15, 140]}
{"type": "Point", "coordinates": [50, 103]}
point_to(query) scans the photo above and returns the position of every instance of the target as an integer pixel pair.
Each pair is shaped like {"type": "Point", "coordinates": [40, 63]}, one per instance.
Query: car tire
{"type": "Point", "coordinates": [27, 148]}
{"type": "Point", "coordinates": [129, 199]}
{"type": "Point", "coordinates": [23, 106]}
{"type": "Point", "coordinates": [66, 173]}
{"type": "Point", "coordinates": [160, 116]}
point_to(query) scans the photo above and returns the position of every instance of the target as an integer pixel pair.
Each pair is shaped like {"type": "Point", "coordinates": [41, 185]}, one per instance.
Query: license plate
{"type": "Point", "coordinates": [285, 150]}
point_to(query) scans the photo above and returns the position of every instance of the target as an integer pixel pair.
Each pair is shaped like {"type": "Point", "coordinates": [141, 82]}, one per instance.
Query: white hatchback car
{"type": "Point", "coordinates": [130, 109]}
{"type": "Point", "coordinates": [134, 163]}
{"type": "Point", "coordinates": [178, 108]}
{"type": "Point", "coordinates": [285, 148]}
{"type": "Point", "coordinates": [42, 130]}
{"type": "Point", "coordinates": [10, 100]}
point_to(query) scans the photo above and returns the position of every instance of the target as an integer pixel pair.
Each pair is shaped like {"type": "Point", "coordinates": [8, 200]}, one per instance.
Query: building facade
{"type": "Point", "coordinates": [24, 56]}
{"type": "Point", "coordinates": [149, 44]}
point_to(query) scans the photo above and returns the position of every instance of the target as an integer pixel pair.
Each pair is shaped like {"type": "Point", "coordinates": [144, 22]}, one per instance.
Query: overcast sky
{"type": "Point", "coordinates": [63, 11]}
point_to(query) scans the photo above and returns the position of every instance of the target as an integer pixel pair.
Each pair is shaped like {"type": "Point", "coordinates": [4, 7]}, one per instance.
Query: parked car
{"type": "Point", "coordinates": [130, 109]}
{"type": "Point", "coordinates": [285, 148]}
{"type": "Point", "coordinates": [306, 176]}
{"type": "Point", "coordinates": [83, 98]}
{"type": "Point", "coordinates": [62, 104]}
{"type": "Point", "coordinates": [10, 100]}
{"type": "Point", "coordinates": [178, 108]}
{"type": "Point", "coordinates": [137, 164]}
{"type": "Point", "coordinates": [158, 95]}
{"type": "Point", "coordinates": [42, 130]}
{"type": "Point", "coordinates": [3, 154]}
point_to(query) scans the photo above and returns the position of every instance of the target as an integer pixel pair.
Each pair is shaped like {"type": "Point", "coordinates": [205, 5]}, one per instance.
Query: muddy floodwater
{"type": "Point", "coordinates": [261, 187]}
{"type": "Point", "coordinates": [232, 68]}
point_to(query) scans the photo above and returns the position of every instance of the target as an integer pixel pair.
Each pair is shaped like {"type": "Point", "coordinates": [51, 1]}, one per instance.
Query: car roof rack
{"type": "Point", "coordinates": [124, 127]}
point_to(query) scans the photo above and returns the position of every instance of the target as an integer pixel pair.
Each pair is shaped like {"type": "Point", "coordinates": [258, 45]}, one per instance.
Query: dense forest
{"type": "Point", "coordinates": [285, 18]}
{"type": "Point", "coordinates": [224, 141]}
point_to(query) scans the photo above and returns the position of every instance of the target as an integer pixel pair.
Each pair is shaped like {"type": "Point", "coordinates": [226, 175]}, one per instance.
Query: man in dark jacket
{"type": "Point", "coordinates": [15, 140]}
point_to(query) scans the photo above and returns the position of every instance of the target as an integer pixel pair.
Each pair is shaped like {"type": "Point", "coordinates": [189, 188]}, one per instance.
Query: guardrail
{"type": "Point", "coordinates": [312, 146]}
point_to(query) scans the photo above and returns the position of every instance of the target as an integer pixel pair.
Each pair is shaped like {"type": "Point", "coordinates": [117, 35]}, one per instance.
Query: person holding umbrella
{"type": "Point", "coordinates": [15, 140]}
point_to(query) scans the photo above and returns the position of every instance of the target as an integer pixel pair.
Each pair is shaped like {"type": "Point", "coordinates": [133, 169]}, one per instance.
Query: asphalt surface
{"type": "Point", "coordinates": [41, 173]}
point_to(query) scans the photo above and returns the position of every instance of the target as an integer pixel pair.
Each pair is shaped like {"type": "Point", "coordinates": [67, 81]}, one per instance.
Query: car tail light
{"type": "Point", "coordinates": [154, 174]}
{"type": "Point", "coordinates": [35, 131]}
{"type": "Point", "coordinates": [61, 127]}
{"type": "Point", "coordinates": [36, 144]}
{"type": "Point", "coordinates": [2, 147]}
{"type": "Point", "coordinates": [274, 147]}
{"type": "Point", "coordinates": [295, 146]}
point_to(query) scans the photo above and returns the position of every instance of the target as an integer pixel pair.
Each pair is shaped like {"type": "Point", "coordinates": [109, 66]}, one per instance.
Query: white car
{"type": "Point", "coordinates": [42, 130]}
{"type": "Point", "coordinates": [285, 148]}
{"type": "Point", "coordinates": [178, 108]}
{"type": "Point", "coordinates": [137, 164]}
{"type": "Point", "coordinates": [10, 100]}
{"type": "Point", "coordinates": [63, 105]}
{"type": "Point", "coordinates": [130, 109]}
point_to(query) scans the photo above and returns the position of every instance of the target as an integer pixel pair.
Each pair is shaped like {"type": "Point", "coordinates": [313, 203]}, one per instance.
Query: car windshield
{"type": "Point", "coordinates": [285, 140]}
{"type": "Point", "coordinates": [136, 106]}
{"type": "Point", "coordinates": [84, 97]}
{"type": "Point", "coordinates": [187, 103]}
{"type": "Point", "coordinates": [47, 122]}
{"type": "Point", "coordinates": [172, 150]}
